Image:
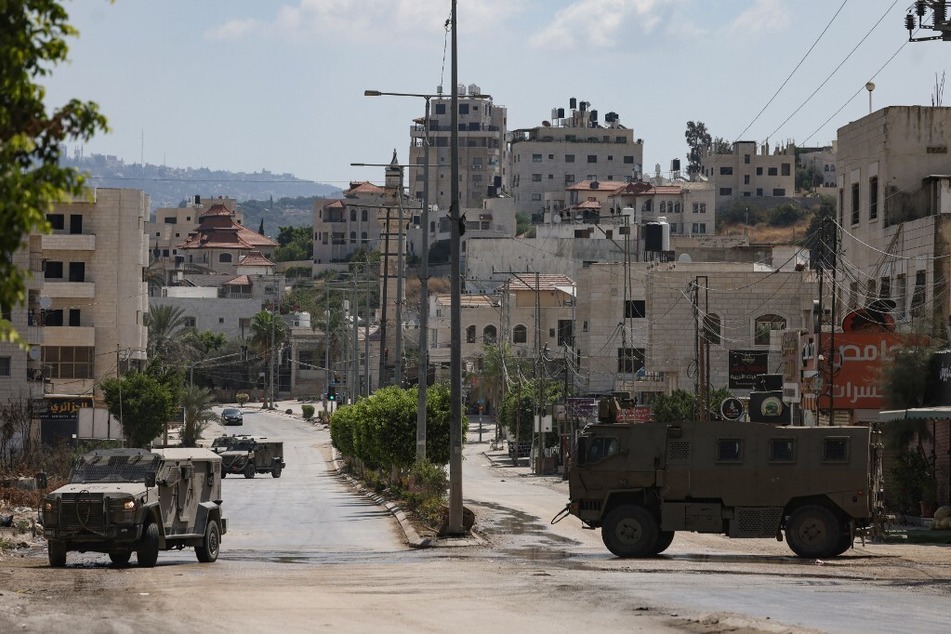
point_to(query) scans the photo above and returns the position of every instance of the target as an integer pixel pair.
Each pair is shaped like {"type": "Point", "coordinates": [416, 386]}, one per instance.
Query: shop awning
{"type": "Point", "coordinates": [917, 413]}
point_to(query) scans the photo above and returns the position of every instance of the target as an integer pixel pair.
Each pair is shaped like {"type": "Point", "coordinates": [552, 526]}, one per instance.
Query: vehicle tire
{"type": "Point", "coordinates": [56, 550]}
{"type": "Point", "coordinates": [814, 532]}
{"type": "Point", "coordinates": [845, 543]}
{"type": "Point", "coordinates": [249, 470]}
{"type": "Point", "coordinates": [147, 554]}
{"type": "Point", "coordinates": [664, 539]}
{"type": "Point", "coordinates": [630, 530]}
{"type": "Point", "coordinates": [276, 472]}
{"type": "Point", "coordinates": [120, 559]}
{"type": "Point", "coordinates": [208, 551]}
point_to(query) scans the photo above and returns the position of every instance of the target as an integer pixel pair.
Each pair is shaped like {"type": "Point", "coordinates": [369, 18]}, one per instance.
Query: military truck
{"type": "Point", "coordinates": [249, 455]}
{"type": "Point", "coordinates": [120, 501]}
{"type": "Point", "coordinates": [640, 483]}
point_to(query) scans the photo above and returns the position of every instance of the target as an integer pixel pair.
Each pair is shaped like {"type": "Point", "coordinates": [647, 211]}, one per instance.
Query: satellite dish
{"type": "Point", "coordinates": [35, 353]}
{"type": "Point", "coordinates": [556, 218]}
{"type": "Point", "coordinates": [685, 258]}
{"type": "Point", "coordinates": [45, 302]}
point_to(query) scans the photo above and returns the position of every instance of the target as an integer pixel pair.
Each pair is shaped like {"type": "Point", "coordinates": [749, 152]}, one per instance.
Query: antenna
{"type": "Point", "coordinates": [938, 95]}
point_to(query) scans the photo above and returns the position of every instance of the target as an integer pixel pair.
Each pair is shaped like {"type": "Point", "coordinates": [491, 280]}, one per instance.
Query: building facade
{"type": "Point", "coordinates": [748, 174]}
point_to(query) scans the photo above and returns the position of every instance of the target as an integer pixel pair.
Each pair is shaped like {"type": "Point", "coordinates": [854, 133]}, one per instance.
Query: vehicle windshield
{"type": "Point", "coordinates": [114, 468]}
{"type": "Point", "coordinates": [230, 412]}
{"type": "Point", "coordinates": [231, 443]}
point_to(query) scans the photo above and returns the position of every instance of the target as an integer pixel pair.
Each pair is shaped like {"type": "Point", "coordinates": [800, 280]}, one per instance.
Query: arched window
{"type": "Point", "coordinates": [489, 334]}
{"type": "Point", "coordinates": [353, 237]}
{"type": "Point", "coordinates": [363, 215]}
{"type": "Point", "coordinates": [663, 206]}
{"type": "Point", "coordinates": [363, 238]}
{"type": "Point", "coordinates": [712, 329]}
{"type": "Point", "coordinates": [353, 215]}
{"type": "Point", "coordinates": [224, 257]}
{"type": "Point", "coordinates": [471, 334]}
{"type": "Point", "coordinates": [763, 325]}
{"type": "Point", "coordinates": [520, 334]}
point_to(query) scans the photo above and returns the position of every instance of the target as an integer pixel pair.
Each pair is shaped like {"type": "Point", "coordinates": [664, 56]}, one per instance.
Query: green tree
{"type": "Point", "coordinates": [698, 142]}
{"type": "Point", "coordinates": [197, 403]}
{"type": "Point", "coordinates": [143, 403]}
{"type": "Point", "coordinates": [165, 324]}
{"type": "Point", "coordinates": [32, 139]}
{"type": "Point", "coordinates": [268, 333]}
{"type": "Point", "coordinates": [676, 407]}
{"type": "Point", "coordinates": [294, 244]}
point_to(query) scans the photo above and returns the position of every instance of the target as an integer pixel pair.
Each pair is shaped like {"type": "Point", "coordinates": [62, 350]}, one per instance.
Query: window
{"type": "Point", "coordinates": [471, 334]}
{"type": "Point", "coordinates": [726, 191]}
{"type": "Point", "coordinates": [224, 257]}
{"type": "Point", "coordinates": [75, 224]}
{"type": "Point", "coordinates": [699, 227]}
{"type": "Point", "coordinates": [67, 362]}
{"type": "Point", "coordinates": [77, 271]}
{"type": "Point", "coordinates": [592, 158]}
{"type": "Point", "coordinates": [53, 270]}
{"type": "Point", "coordinates": [74, 317]}
{"type": "Point", "coordinates": [779, 191]}
{"type": "Point", "coordinates": [635, 309]}
{"type": "Point", "coordinates": [630, 360]}
{"type": "Point", "coordinates": [746, 159]}
{"type": "Point", "coordinates": [726, 171]}
{"type": "Point", "coordinates": [520, 334]}
{"type": "Point", "coordinates": [569, 158]}
{"type": "Point", "coordinates": [628, 160]}
{"type": "Point", "coordinates": [536, 158]}
{"type": "Point", "coordinates": [729, 450]}
{"type": "Point", "coordinates": [536, 178]}
{"type": "Point", "coordinates": [772, 171]}
{"type": "Point", "coordinates": [439, 108]}
{"type": "Point", "coordinates": [711, 329]}
{"type": "Point", "coordinates": [746, 179]}
{"type": "Point", "coordinates": [353, 237]}
{"type": "Point", "coordinates": [536, 197]}
{"type": "Point", "coordinates": [364, 238]}
{"type": "Point", "coordinates": [765, 324]}
{"type": "Point", "coordinates": [353, 215]}
{"type": "Point", "coordinates": [600, 448]}
{"type": "Point", "coordinates": [566, 330]}
{"type": "Point", "coordinates": [835, 450]}
{"type": "Point", "coordinates": [873, 198]}
{"type": "Point", "coordinates": [489, 334]}
{"type": "Point", "coordinates": [784, 168]}
{"type": "Point", "coordinates": [188, 322]}
{"type": "Point", "coordinates": [855, 203]}
{"type": "Point", "coordinates": [4, 366]}
{"type": "Point", "coordinates": [885, 288]}
{"type": "Point", "coordinates": [363, 215]}
{"type": "Point", "coordinates": [759, 191]}
{"type": "Point", "coordinates": [57, 221]}
{"type": "Point", "coordinates": [782, 450]}
{"type": "Point", "coordinates": [759, 171]}
{"type": "Point", "coordinates": [700, 208]}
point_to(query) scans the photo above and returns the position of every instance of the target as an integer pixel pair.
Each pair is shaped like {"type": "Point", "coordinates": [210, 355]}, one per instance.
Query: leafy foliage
{"type": "Point", "coordinates": [698, 141]}
{"type": "Point", "coordinates": [294, 244]}
{"type": "Point", "coordinates": [197, 403]}
{"type": "Point", "coordinates": [31, 139]}
{"type": "Point", "coordinates": [143, 404]}
{"type": "Point", "coordinates": [676, 407]}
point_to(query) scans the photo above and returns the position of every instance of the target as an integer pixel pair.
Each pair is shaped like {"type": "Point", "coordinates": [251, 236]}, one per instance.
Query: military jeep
{"type": "Point", "coordinates": [249, 455]}
{"type": "Point", "coordinates": [120, 501]}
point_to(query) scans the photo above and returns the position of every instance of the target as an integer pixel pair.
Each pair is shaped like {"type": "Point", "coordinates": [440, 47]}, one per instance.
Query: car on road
{"type": "Point", "coordinates": [232, 416]}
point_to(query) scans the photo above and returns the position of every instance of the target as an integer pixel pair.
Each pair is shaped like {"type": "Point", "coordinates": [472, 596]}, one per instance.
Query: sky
{"type": "Point", "coordinates": [252, 85]}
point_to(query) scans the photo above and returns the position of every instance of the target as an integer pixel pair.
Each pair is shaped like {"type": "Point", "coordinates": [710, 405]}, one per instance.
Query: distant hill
{"type": "Point", "coordinates": [280, 199]}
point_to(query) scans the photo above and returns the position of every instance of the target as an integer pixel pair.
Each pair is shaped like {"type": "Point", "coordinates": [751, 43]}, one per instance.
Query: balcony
{"type": "Point", "coordinates": [68, 242]}
{"type": "Point", "coordinates": [80, 336]}
{"type": "Point", "coordinates": [69, 290]}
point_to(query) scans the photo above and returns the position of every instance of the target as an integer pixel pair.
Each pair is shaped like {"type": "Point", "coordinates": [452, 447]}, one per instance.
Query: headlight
{"type": "Point", "coordinates": [129, 505]}
{"type": "Point", "coordinates": [48, 506]}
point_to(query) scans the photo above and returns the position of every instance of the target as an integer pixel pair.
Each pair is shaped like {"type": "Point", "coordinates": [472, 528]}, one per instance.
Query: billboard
{"type": "Point", "coordinates": [745, 366]}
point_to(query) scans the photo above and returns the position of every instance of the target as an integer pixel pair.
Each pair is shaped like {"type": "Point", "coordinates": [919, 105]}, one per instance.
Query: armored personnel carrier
{"type": "Point", "coordinates": [640, 483]}
{"type": "Point", "coordinates": [124, 501]}
{"type": "Point", "coordinates": [249, 455]}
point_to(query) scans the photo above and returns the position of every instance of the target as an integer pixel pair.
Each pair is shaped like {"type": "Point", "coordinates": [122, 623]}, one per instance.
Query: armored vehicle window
{"type": "Point", "coordinates": [729, 450]}
{"type": "Point", "coordinates": [600, 448]}
{"type": "Point", "coordinates": [782, 450]}
{"type": "Point", "coordinates": [835, 450]}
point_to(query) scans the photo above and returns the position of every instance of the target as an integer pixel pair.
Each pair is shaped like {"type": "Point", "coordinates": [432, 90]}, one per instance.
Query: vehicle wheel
{"type": "Point", "coordinates": [664, 539]}
{"type": "Point", "coordinates": [57, 553]}
{"type": "Point", "coordinates": [147, 554]}
{"type": "Point", "coordinates": [845, 542]}
{"type": "Point", "coordinates": [630, 531]}
{"type": "Point", "coordinates": [276, 472]}
{"type": "Point", "coordinates": [120, 559]}
{"type": "Point", "coordinates": [249, 470]}
{"type": "Point", "coordinates": [814, 531]}
{"type": "Point", "coordinates": [208, 551]}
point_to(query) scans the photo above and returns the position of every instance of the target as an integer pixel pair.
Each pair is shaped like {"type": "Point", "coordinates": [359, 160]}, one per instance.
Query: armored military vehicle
{"type": "Point", "coordinates": [642, 482]}
{"type": "Point", "coordinates": [120, 501]}
{"type": "Point", "coordinates": [249, 455]}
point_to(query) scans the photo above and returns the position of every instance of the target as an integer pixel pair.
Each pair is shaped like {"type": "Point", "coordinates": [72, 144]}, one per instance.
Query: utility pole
{"type": "Point", "coordinates": [423, 353]}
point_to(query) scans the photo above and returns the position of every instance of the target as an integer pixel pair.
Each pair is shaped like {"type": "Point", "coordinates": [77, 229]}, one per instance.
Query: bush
{"type": "Point", "coordinates": [242, 398]}
{"type": "Point", "coordinates": [308, 411]}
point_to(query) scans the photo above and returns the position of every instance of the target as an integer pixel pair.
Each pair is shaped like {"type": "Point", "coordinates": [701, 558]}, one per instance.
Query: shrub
{"type": "Point", "coordinates": [242, 398]}
{"type": "Point", "coordinates": [308, 411]}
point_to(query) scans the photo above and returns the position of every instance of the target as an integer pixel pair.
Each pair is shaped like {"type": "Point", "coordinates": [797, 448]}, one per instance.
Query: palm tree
{"type": "Point", "coordinates": [268, 333]}
{"type": "Point", "coordinates": [197, 403]}
{"type": "Point", "coordinates": [165, 323]}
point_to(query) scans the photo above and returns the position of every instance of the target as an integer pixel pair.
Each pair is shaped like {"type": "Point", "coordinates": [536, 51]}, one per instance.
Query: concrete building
{"type": "Point", "coordinates": [821, 161]}
{"type": "Point", "coordinates": [894, 212]}
{"type": "Point", "coordinates": [747, 174]}
{"type": "Point", "coordinates": [86, 302]}
{"type": "Point", "coordinates": [343, 227]}
{"type": "Point", "coordinates": [220, 242]}
{"type": "Point", "coordinates": [483, 158]}
{"type": "Point", "coordinates": [570, 149]}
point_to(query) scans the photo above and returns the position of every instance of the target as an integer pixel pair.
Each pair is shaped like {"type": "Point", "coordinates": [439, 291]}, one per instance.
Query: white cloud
{"type": "Point", "coordinates": [599, 23]}
{"type": "Point", "coordinates": [233, 30]}
{"type": "Point", "coordinates": [762, 17]}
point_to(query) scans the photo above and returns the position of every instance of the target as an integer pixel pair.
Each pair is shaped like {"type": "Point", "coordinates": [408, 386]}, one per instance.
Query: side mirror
{"type": "Point", "coordinates": [149, 480]}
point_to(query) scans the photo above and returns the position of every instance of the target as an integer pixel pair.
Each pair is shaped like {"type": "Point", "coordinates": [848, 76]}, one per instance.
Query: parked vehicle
{"type": "Point", "coordinates": [120, 501]}
{"type": "Point", "coordinates": [232, 416]}
{"type": "Point", "coordinates": [641, 482]}
{"type": "Point", "coordinates": [249, 455]}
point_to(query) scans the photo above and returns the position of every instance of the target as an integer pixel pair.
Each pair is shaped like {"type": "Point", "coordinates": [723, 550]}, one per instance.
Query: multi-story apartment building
{"type": "Point", "coordinates": [746, 174]}
{"type": "Point", "coordinates": [482, 150]}
{"type": "Point", "coordinates": [820, 161]}
{"type": "Point", "coordinates": [894, 212]}
{"type": "Point", "coordinates": [84, 317]}
{"type": "Point", "coordinates": [570, 149]}
{"type": "Point", "coordinates": [343, 227]}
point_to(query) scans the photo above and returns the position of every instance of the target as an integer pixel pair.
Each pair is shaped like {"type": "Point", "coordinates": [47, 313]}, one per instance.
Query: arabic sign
{"type": "Point", "coordinates": [941, 375]}
{"type": "Point", "coordinates": [582, 407]}
{"type": "Point", "coordinates": [65, 408]}
{"type": "Point", "coordinates": [745, 366]}
{"type": "Point", "coordinates": [731, 408]}
{"type": "Point", "coordinates": [852, 378]}
{"type": "Point", "coordinates": [636, 414]}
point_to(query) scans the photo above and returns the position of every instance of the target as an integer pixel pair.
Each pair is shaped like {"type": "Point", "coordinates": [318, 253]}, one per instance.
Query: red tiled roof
{"type": "Point", "coordinates": [363, 187]}
{"type": "Point", "coordinates": [255, 258]}
{"type": "Point", "coordinates": [241, 280]}
{"type": "Point", "coordinates": [546, 282]}
{"type": "Point", "coordinates": [218, 230]}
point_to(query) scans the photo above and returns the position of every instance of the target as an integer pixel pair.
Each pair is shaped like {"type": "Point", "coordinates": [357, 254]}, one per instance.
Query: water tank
{"type": "Point", "coordinates": [474, 89]}
{"type": "Point", "coordinates": [675, 165]}
{"type": "Point", "coordinates": [657, 235]}
{"type": "Point", "coordinates": [461, 90]}
{"type": "Point", "coordinates": [561, 113]}
{"type": "Point", "coordinates": [572, 103]}
{"type": "Point", "coordinates": [302, 320]}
